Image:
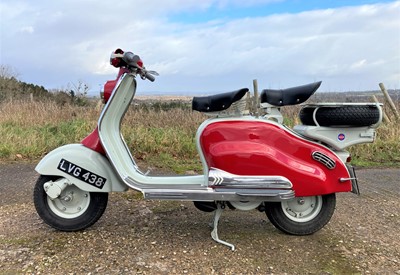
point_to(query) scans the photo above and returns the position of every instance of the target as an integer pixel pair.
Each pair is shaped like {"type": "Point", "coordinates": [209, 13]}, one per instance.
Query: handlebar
{"type": "Point", "coordinates": [149, 76]}
{"type": "Point", "coordinates": [134, 61]}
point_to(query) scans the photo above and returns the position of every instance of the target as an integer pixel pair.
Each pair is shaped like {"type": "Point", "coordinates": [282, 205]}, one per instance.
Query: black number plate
{"type": "Point", "coordinates": [81, 173]}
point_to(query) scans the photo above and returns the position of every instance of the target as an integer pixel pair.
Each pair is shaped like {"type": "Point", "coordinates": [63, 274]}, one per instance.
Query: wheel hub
{"type": "Point", "coordinates": [301, 201]}
{"type": "Point", "coordinates": [71, 203]}
{"type": "Point", "coordinates": [302, 209]}
{"type": "Point", "coordinates": [68, 198]}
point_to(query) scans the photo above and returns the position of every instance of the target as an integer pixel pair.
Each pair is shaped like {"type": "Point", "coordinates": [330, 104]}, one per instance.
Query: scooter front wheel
{"type": "Point", "coordinates": [73, 210]}
{"type": "Point", "coordinates": [301, 215]}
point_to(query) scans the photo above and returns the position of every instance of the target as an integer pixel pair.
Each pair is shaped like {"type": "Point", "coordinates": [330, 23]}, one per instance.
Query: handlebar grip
{"type": "Point", "coordinates": [131, 58]}
{"type": "Point", "coordinates": [149, 77]}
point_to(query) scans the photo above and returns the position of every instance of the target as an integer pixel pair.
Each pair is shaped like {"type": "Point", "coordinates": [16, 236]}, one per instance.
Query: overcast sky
{"type": "Point", "coordinates": [206, 46]}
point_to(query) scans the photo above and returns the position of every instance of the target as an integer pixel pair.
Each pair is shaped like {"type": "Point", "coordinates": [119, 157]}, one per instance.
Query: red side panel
{"type": "Point", "coordinates": [92, 141]}
{"type": "Point", "coordinates": [246, 147]}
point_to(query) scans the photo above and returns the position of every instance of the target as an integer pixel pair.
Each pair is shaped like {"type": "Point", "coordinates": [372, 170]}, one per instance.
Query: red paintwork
{"type": "Point", "coordinates": [108, 88]}
{"type": "Point", "coordinates": [92, 141]}
{"type": "Point", "coordinates": [110, 84]}
{"type": "Point", "coordinates": [262, 148]}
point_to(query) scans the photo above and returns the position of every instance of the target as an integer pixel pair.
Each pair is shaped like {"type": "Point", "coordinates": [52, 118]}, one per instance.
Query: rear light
{"type": "Point", "coordinates": [348, 158]}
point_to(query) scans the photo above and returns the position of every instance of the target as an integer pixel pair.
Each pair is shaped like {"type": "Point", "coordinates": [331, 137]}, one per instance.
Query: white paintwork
{"type": "Point", "coordinates": [271, 112]}
{"type": "Point", "coordinates": [53, 189]}
{"type": "Point", "coordinates": [329, 135]}
{"type": "Point", "coordinates": [83, 157]}
{"type": "Point", "coordinates": [116, 148]}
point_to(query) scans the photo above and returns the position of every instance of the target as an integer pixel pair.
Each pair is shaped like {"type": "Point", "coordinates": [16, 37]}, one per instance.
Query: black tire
{"type": "Point", "coordinates": [78, 210]}
{"type": "Point", "coordinates": [356, 116]}
{"type": "Point", "coordinates": [305, 218]}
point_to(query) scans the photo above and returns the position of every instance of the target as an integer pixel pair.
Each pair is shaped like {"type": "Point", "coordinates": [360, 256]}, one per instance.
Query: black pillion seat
{"type": "Point", "coordinates": [289, 96]}
{"type": "Point", "coordinates": [219, 102]}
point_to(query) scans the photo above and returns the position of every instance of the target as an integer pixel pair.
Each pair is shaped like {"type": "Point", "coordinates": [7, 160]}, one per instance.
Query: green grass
{"type": "Point", "coordinates": [380, 154]}
{"type": "Point", "coordinates": [33, 141]}
{"type": "Point", "coordinates": [161, 135]}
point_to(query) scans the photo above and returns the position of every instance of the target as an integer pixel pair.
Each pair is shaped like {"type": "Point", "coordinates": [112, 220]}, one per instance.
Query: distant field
{"type": "Point", "coordinates": [159, 130]}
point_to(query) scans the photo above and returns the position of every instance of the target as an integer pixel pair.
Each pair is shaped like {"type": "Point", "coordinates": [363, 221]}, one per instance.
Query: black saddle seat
{"type": "Point", "coordinates": [289, 96]}
{"type": "Point", "coordinates": [219, 102]}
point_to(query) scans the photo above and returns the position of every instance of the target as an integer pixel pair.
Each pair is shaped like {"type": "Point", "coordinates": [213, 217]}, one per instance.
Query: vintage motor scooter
{"type": "Point", "coordinates": [249, 162]}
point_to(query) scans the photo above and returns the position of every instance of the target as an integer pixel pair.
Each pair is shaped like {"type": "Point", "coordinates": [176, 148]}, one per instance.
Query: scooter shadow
{"type": "Point", "coordinates": [179, 221]}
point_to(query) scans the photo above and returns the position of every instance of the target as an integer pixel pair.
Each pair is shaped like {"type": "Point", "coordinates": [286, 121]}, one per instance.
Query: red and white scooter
{"type": "Point", "coordinates": [249, 162]}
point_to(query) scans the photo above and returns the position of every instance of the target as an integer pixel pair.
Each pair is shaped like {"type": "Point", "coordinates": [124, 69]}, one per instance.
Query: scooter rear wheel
{"type": "Point", "coordinates": [73, 210]}
{"type": "Point", "coordinates": [301, 215]}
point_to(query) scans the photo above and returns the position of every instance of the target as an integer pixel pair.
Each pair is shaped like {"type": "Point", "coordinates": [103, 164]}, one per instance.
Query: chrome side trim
{"type": "Point", "coordinates": [209, 194]}
{"type": "Point", "coordinates": [224, 186]}
{"type": "Point", "coordinates": [167, 183]}
{"type": "Point", "coordinates": [219, 178]}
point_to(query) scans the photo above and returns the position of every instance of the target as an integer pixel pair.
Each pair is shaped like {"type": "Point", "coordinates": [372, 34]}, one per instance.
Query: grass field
{"type": "Point", "coordinates": [160, 134]}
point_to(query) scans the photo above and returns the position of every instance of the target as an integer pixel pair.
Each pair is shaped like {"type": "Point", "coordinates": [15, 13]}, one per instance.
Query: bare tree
{"type": "Point", "coordinates": [78, 92]}
{"type": "Point", "coordinates": [7, 71]}
{"type": "Point", "coordinates": [79, 89]}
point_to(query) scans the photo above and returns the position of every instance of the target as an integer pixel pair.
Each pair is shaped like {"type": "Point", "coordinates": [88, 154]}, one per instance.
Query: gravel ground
{"type": "Point", "coordinates": [164, 237]}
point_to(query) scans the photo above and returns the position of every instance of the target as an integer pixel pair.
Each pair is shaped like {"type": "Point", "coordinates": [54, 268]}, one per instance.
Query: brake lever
{"type": "Point", "coordinates": [144, 74]}
{"type": "Point", "coordinates": [153, 73]}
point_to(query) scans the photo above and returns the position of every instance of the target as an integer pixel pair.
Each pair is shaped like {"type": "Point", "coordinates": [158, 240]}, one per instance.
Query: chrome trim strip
{"type": "Point", "coordinates": [346, 179]}
{"type": "Point", "coordinates": [220, 178]}
{"type": "Point", "coordinates": [191, 183]}
{"type": "Point", "coordinates": [219, 195]}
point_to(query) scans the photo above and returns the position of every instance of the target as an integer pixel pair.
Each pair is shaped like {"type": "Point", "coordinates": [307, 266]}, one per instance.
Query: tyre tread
{"type": "Point", "coordinates": [280, 221]}
{"type": "Point", "coordinates": [341, 116]}
{"type": "Point", "coordinates": [97, 206]}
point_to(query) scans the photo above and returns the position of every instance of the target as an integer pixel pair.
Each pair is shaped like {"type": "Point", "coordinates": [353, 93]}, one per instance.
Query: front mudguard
{"type": "Point", "coordinates": [83, 167]}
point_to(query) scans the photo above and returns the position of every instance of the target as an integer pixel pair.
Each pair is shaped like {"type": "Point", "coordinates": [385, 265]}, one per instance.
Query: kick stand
{"type": "Point", "coordinates": [214, 233]}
